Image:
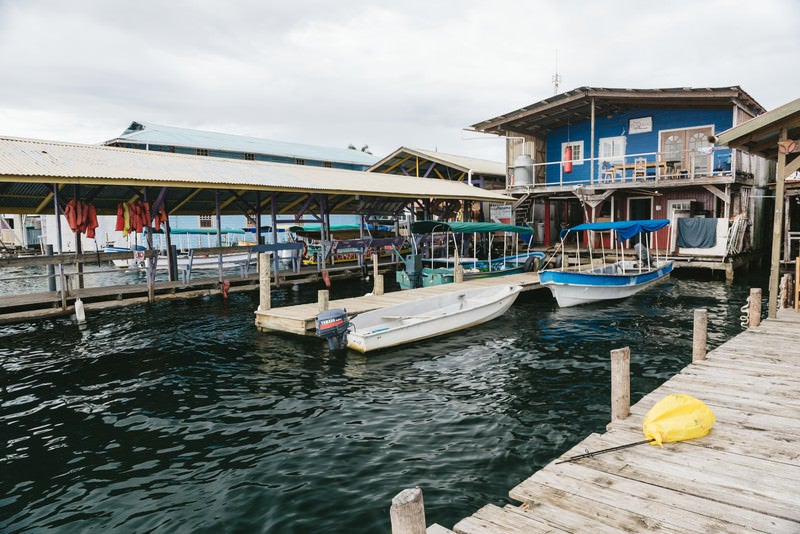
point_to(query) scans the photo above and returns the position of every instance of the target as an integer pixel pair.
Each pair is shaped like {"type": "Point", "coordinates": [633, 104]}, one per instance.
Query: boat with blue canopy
{"type": "Point", "coordinates": [439, 246]}
{"type": "Point", "coordinates": [609, 275]}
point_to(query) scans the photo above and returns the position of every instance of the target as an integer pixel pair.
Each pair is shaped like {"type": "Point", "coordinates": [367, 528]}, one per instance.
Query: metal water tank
{"type": "Point", "coordinates": [523, 170]}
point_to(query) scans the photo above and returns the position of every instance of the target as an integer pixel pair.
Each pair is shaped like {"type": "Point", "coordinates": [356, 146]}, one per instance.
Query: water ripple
{"type": "Point", "coordinates": [180, 416]}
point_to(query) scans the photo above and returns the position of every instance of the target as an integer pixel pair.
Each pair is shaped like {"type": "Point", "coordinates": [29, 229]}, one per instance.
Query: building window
{"type": "Point", "coordinates": [201, 151]}
{"type": "Point", "coordinates": [328, 164]}
{"type": "Point", "coordinates": [299, 161]}
{"type": "Point", "coordinates": [577, 151]}
{"type": "Point", "coordinates": [250, 221]}
{"type": "Point", "coordinates": [206, 221]}
{"type": "Point", "coordinates": [249, 157]}
{"type": "Point", "coordinates": [612, 150]}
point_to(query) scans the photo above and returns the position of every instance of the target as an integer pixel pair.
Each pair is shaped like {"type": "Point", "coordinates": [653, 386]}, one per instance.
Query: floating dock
{"type": "Point", "coordinates": [301, 319]}
{"type": "Point", "coordinates": [744, 476]}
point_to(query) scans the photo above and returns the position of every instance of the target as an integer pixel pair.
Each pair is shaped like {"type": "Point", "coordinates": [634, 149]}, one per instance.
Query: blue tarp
{"type": "Point", "coordinates": [697, 232]}
{"type": "Point", "coordinates": [625, 229]}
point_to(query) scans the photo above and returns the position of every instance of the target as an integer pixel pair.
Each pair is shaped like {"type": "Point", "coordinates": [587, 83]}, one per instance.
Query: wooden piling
{"type": "Point", "coordinates": [264, 281]}
{"type": "Point", "coordinates": [323, 298]}
{"type": "Point", "coordinates": [620, 383]}
{"type": "Point", "coordinates": [458, 274]}
{"type": "Point", "coordinates": [374, 265]}
{"type": "Point", "coordinates": [754, 310]}
{"type": "Point", "coordinates": [408, 512]}
{"type": "Point", "coordinates": [377, 288]}
{"type": "Point", "coordinates": [699, 335]}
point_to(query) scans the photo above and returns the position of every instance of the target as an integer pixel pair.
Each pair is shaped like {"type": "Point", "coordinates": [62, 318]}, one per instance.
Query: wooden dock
{"type": "Point", "coordinates": [300, 319]}
{"type": "Point", "coordinates": [744, 476]}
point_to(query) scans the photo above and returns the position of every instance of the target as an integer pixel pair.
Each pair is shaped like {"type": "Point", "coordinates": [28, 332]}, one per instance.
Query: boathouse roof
{"type": "Point", "coordinates": [760, 135]}
{"type": "Point", "coordinates": [574, 106]}
{"type": "Point", "coordinates": [141, 134]}
{"type": "Point", "coordinates": [107, 175]}
{"type": "Point", "coordinates": [433, 164]}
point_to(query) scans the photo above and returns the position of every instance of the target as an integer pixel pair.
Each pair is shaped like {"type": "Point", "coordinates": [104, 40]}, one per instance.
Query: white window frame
{"type": "Point", "coordinates": [606, 149]}
{"type": "Point", "coordinates": [574, 145]}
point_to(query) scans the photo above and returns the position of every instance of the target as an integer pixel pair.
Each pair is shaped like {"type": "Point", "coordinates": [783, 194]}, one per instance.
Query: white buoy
{"type": "Point", "coordinates": [80, 313]}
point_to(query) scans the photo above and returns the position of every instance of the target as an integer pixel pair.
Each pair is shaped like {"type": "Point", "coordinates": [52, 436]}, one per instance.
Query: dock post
{"type": "Point", "coordinates": [323, 296]}
{"type": "Point", "coordinates": [264, 302]}
{"type": "Point", "coordinates": [620, 383]}
{"type": "Point", "coordinates": [374, 264]}
{"type": "Point", "coordinates": [408, 512]}
{"type": "Point", "coordinates": [754, 311]}
{"type": "Point", "coordinates": [51, 270]}
{"type": "Point", "coordinates": [377, 288]}
{"type": "Point", "coordinates": [699, 335]}
{"type": "Point", "coordinates": [458, 274]}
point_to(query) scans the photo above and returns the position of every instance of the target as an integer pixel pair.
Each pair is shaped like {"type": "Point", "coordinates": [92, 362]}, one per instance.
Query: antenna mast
{"type": "Point", "coordinates": [556, 76]}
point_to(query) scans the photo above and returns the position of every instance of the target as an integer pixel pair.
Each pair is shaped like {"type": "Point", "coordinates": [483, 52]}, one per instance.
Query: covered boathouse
{"type": "Point", "coordinates": [40, 177]}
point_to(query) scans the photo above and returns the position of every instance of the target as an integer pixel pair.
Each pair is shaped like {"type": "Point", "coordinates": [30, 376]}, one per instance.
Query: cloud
{"type": "Point", "coordinates": [383, 74]}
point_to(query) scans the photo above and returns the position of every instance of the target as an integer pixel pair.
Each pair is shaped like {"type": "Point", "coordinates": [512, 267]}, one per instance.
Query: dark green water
{"type": "Point", "coordinates": [181, 417]}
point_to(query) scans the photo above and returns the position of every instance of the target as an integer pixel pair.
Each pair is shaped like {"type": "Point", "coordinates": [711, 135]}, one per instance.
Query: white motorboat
{"type": "Point", "coordinates": [610, 280]}
{"type": "Point", "coordinates": [427, 317]}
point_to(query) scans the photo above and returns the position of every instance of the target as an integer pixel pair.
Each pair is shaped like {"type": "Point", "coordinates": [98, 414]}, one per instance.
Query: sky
{"type": "Point", "coordinates": [379, 73]}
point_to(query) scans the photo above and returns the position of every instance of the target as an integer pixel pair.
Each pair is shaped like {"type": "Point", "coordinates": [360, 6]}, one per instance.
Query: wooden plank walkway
{"type": "Point", "coordinates": [300, 319]}
{"type": "Point", "coordinates": [744, 476]}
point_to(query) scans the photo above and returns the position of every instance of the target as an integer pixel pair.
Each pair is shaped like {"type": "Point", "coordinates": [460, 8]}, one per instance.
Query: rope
{"type": "Point", "coordinates": [744, 320]}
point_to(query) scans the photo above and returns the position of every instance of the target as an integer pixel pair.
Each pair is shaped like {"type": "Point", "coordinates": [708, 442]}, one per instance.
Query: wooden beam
{"type": "Point", "coordinates": [777, 231]}
{"type": "Point", "coordinates": [714, 190]}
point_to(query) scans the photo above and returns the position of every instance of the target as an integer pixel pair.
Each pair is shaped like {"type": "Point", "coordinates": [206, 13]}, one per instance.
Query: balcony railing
{"type": "Point", "coordinates": [632, 168]}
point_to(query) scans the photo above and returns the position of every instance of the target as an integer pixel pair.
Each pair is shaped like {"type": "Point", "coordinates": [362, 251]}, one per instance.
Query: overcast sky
{"type": "Point", "coordinates": [385, 74]}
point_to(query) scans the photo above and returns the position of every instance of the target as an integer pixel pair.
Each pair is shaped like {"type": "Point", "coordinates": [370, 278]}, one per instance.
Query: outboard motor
{"type": "Point", "coordinates": [414, 269]}
{"type": "Point", "coordinates": [332, 325]}
{"type": "Point", "coordinates": [642, 253]}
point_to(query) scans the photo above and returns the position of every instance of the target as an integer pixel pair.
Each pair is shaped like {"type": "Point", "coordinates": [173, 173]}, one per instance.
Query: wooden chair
{"type": "Point", "coordinates": [640, 169]}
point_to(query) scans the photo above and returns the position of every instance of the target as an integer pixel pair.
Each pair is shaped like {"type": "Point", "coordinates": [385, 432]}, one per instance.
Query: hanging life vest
{"type": "Point", "coordinates": [568, 160]}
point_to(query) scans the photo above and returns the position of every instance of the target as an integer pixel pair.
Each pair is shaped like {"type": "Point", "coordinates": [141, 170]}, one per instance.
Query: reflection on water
{"type": "Point", "coordinates": [180, 416]}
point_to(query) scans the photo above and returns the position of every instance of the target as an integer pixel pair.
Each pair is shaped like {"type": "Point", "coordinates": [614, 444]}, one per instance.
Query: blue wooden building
{"type": "Point", "coordinates": [621, 154]}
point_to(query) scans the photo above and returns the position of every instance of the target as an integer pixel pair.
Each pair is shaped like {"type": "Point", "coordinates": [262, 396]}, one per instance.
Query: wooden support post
{"type": "Point", "coordinates": [377, 288]}
{"type": "Point", "coordinates": [620, 383]}
{"type": "Point", "coordinates": [408, 512]}
{"type": "Point", "coordinates": [458, 274]}
{"type": "Point", "coordinates": [323, 296]}
{"type": "Point", "coordinates": [264, 282]}
{"type": "Point", "coordinates": [375, 265]}
{"type": "Point", "coordinates": [796, 284]}
{"type": "Point", "coordinates": [700, 335]}
{"type": "Point", "coordinates": [754, 311]}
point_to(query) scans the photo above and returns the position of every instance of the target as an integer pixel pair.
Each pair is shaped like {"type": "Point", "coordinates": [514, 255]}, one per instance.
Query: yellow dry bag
{"type": "Point", "coordinates": [677, 417]}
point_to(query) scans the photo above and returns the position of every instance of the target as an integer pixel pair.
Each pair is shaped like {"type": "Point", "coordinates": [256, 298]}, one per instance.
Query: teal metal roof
{"type": "Point", "coordinates": [157, 134]}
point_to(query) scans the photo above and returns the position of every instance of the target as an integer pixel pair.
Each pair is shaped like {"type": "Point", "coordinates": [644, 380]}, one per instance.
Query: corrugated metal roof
{"type": "Point", "coordinates": [158, 134]}
{"type": "Point", "coordinates": [460, 163]}
{"type": "Point", "coordinates": [539, 118]}
{"type": "Point", "coordinates": [760, 135]}
{"type": "Point", "coordinates": [114, 171]}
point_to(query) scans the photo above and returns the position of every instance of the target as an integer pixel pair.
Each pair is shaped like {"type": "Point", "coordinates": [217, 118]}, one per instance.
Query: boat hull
{"type": "Point", "coordinates": [572, 288]}
{"type": "Point", "coordinates": [429, 317]}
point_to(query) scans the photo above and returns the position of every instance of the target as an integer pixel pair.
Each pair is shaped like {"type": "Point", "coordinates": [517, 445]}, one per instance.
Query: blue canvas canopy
{"type": "Point", "coordinates": [625, 229]}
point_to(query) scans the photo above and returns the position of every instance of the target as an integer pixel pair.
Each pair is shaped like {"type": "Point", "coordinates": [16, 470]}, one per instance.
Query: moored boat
{"type": "Point", "coordinates": [437, 246]}
{"type": "Point", "coordinates": [608, 279]}
{"type": "Point", "coordinates": [417, 320]}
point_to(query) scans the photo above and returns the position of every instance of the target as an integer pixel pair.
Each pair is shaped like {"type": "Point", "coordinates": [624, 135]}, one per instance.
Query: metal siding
{"type": "Point", "coordinates": [91, 164]}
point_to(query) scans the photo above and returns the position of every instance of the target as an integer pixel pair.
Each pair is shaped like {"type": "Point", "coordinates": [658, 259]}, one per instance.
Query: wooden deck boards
{"type": "Point", "coordinates": [300, 319]}
{"type": "Point", "coordinates": [744, 476]}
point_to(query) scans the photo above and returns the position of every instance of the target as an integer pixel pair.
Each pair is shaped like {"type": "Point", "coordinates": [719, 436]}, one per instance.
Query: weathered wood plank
{"type": "Point", "coordinates": [492, 518]}
{"type": "Point", "coordinates": [692, 514]}
{"type": "Point", "coordinates": [741, 477]}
